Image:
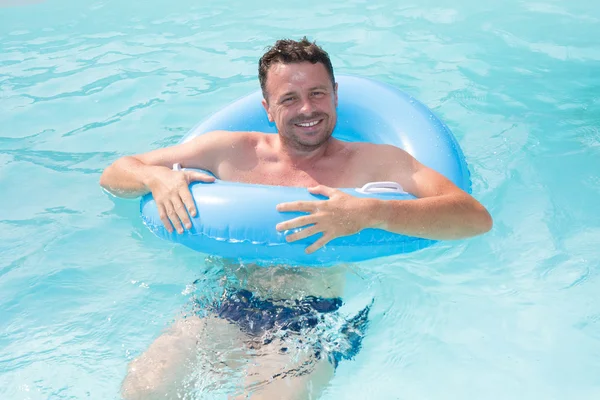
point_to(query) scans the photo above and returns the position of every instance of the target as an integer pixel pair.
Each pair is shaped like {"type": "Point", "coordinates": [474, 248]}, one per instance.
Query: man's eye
{"type": "Point", "coordinates": [318, 94]}
{"type": "Point", "coordinates": [288, 99]}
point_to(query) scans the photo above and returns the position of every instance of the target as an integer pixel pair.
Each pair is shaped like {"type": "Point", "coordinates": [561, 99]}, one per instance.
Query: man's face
{"type": "Point", "coordinates": [302, 102]}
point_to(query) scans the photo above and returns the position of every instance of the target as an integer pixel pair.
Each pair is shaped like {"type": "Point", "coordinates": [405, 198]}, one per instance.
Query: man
{"type": "Point", "coordinates": [300, 96]}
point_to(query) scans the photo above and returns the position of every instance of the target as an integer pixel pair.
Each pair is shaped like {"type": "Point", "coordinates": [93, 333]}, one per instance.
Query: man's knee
{"type": "Point", "coordinates": [140, 383]}
{"type": "Point", "coordinates": [156, 372]}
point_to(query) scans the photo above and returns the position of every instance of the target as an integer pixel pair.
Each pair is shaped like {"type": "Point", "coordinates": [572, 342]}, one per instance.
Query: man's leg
{"type": "Point", "coordinates": [283, 370]}
{"type": "Point", "coordinates": [163, 370]}
{"type": "Point", "coordinates": [279, 371]}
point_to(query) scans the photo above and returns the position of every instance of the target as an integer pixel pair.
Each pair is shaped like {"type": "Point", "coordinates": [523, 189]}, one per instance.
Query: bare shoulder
{"type": "Point", "coordinates": [205, 151]}
{"type": "Point", "coordinates": [382, 154]}
{"type": "Point", "coordinates": [218, 145]}
{"type": "Point", "coordinates": [226, 139]}
{"type": "Point", "coordinates": [380, 162]}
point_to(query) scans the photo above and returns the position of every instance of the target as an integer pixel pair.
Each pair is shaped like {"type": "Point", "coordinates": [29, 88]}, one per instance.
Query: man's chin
{"type": "Point", "coordinates": [315, 143]}
{"type": "Point", "coordinates": [306, 143]}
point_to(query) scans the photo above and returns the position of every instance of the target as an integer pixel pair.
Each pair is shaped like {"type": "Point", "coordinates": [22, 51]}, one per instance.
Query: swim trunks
{"type": "Point", "coordinates": [261, 318]}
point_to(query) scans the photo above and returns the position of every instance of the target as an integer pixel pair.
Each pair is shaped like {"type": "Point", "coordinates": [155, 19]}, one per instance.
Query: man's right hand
{"type": "Point", "coordinates": [173, 198]}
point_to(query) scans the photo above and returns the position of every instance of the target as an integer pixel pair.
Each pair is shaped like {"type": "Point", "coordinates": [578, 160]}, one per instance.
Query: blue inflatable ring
{"type": "Point", "coordinates": [237, 220]}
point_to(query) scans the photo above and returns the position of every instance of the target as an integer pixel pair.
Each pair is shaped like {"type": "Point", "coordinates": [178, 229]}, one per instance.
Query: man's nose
{"type": "Point", "coordinates": [307, 106]}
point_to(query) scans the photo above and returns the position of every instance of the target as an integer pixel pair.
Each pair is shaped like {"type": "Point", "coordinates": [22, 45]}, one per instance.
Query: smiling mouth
{"type": "Point", "coordinates": [309, 124]}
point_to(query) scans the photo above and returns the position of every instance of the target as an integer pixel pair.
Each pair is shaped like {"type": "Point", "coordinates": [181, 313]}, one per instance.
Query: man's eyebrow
{"type": "Point", "coordinates": [287, 94]}
{"type": "Point", "coordinates": [291, 92]}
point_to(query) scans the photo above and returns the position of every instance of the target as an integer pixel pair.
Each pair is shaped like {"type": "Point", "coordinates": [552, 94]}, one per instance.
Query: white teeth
{"type": "Point", "coordinates": [308, 124]}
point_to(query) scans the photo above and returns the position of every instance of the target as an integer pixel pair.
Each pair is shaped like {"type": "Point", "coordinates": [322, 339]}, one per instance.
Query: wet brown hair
{"type": "Point", "coordinates": [287, 51]}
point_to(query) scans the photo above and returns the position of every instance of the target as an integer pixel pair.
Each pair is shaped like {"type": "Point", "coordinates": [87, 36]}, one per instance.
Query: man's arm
{"type": "Point", "coordinates": [132, 176]}
{"type": "Point", "coordinates": [442, 217]}
{"type": "Point", "coordinates": [442, 211]}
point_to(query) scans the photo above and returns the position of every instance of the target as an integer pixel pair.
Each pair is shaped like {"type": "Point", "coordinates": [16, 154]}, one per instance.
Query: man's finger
{"type": "Point", "coordinates": [322, 190]}
{"type": "Point", "coordinates": [182, 213]}
{"type": "Point", "coordinates": [188, 201]}
{"type": "Point", "coordinates": [318, 244]}
{"type": "Point", "coordinates": [296, 223]}
{"type": "Point", "coordinates": [303, 206]}
{"type": "Point", "coordinates": [195, 176]}
{"type": "Point", "coordinates": [172, 215]}
{"type": "Point", "coordinates": [162, 213]}
{"type": "Point", "coordinates": [304, 233]}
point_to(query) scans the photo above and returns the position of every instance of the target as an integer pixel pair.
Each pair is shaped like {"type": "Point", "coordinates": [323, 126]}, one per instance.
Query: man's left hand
{"type": "Point", "coordinates": [340, 215]}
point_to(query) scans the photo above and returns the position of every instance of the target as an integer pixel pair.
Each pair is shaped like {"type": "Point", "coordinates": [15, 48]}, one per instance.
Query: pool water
{"type": "Point", "coordinates": [84, 287]}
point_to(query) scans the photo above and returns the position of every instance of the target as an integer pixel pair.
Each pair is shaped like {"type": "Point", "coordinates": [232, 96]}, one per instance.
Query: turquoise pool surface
{"type": "Point", "coordinates": [84, 287]}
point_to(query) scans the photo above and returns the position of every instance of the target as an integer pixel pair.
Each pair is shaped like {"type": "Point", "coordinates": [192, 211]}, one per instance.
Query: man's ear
{"type": "Point", "coordinates": [266, 106]}
{"type": "Point", "coordinates": [335, 91]}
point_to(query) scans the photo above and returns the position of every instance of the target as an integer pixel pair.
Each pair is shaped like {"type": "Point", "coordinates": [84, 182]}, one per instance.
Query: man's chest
{"type": "Point", "coordinates": [337, 173]}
